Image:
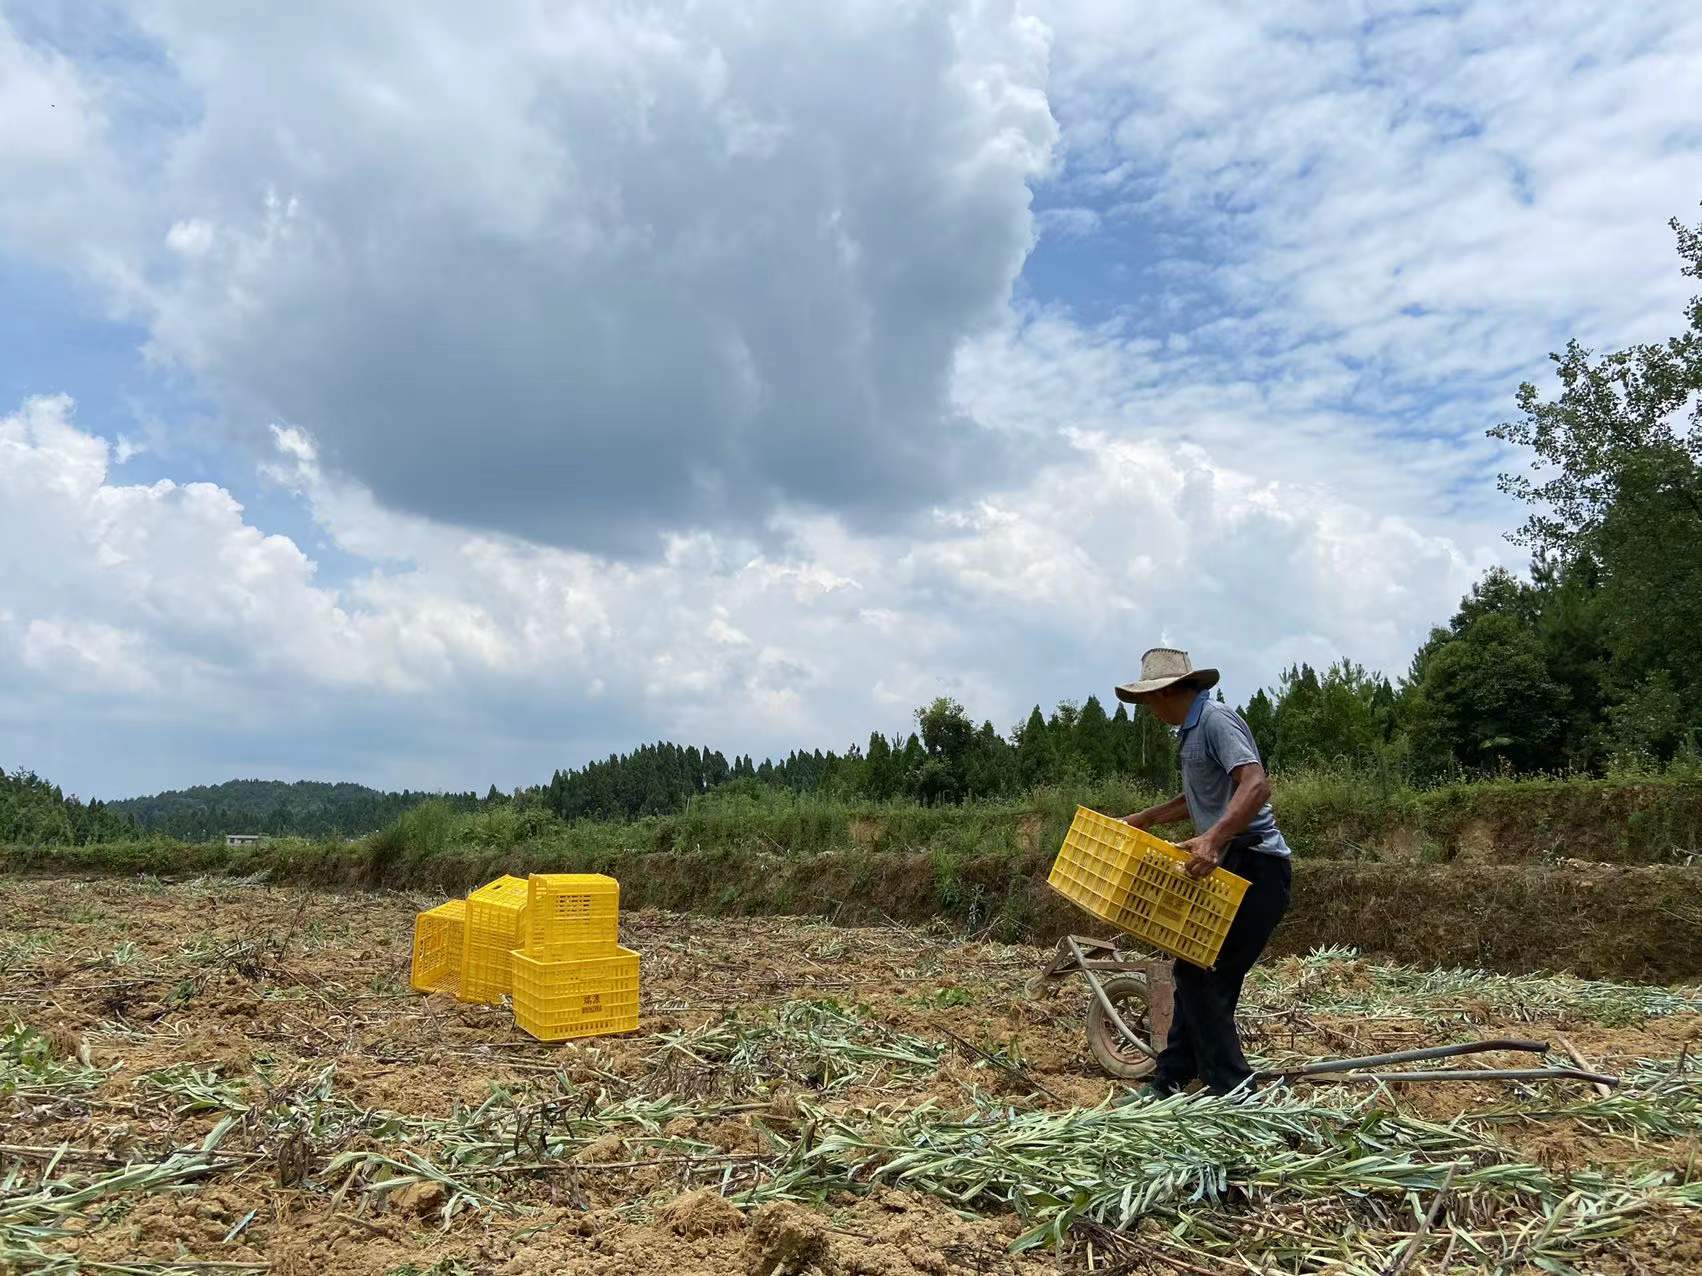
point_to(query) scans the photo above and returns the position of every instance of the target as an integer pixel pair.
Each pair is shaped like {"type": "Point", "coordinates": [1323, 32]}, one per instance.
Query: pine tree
{"type": "Point", "coordinates": [911, 763]}
{"type": "Point", "coordinates": [1094, 748]}
{"type": "Point", "coordinates": [1037, 761]}
{"type": "Point", "coordinates": [1260, 717]}
{"type": "Point", "coordinates": [991, 768]}
{"type": "Point", "coordinates": [881, 780]}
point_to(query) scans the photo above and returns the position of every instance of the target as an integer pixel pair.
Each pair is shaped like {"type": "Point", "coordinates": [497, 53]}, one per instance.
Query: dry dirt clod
{"type": "Point", "coordinates": [602, 1151]}
{"type": "Point", "coordinates": [419, 1199]}
{"type": "Point", "coordinates": [704, 1212]}
{"type": "Point", "coordinates": [786, 1240]}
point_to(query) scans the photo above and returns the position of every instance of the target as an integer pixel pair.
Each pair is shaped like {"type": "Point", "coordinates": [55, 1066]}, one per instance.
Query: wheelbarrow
{"type": "Point", "coordinates": [1130, 1011]}
{"type": "Point", "coordinates": [1128, 1015]}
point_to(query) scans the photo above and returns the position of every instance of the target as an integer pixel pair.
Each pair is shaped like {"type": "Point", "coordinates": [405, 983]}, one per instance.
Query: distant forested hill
{"type": "Point", "coordinates": [305, 808]}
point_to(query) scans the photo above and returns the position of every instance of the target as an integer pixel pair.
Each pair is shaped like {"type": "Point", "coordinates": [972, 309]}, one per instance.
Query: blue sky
{"type": "Point", "coordinates": [448, 401]}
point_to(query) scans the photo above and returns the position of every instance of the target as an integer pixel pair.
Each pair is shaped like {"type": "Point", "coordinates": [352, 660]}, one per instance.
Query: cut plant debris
{"type": "Point", "coordinates": [251, 1089]}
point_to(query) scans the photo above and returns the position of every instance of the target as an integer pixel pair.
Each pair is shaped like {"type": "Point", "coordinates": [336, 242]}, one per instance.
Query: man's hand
{"type": "Point", "coordinates": [1204, 853]}
{"type": "Point", "coordinates": [1136, 821]}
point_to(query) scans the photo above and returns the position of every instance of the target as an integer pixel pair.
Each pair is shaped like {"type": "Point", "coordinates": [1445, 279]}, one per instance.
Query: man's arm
{"type": "Point", "coordinates": [1163, 813]}
{"type": "Point", "coordinates": [1252, 790]}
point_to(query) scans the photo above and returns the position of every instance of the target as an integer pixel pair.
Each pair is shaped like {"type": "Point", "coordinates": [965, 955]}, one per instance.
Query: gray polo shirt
{"type": "Point", "coordinates": [1213, 742]}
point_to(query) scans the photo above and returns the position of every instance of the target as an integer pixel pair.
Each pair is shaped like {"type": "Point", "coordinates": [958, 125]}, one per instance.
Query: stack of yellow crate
{"type": "Point", "coordinates": [550, 942]}
{"type": "Point", "coordinates": [571, 976]}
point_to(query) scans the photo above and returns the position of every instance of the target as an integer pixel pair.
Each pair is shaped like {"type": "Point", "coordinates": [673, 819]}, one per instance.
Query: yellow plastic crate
{"type": "Point", "coordinates": [437, 947]}
{"type": "Point", "coordinates": [591, 997]}
{"type": "Point", "coordinates": [495, 926]}
{"type": "Point", "coordinates": [1135, 881]}
{"type": "Point", "coordinates": [572, 915]}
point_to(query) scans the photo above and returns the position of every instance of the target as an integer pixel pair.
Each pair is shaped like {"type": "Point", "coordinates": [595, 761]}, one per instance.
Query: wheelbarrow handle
{"type": "Point", "coordinates": [1116, 1019]}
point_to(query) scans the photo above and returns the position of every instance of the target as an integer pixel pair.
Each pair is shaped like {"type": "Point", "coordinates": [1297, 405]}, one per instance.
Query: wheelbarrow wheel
{"type": "Point", "coordinates": [1128, 993]}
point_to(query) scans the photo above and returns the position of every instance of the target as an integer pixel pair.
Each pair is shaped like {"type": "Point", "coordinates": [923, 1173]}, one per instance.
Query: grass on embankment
{"type": "Point", "coordinates": [1324, 815]}
{"type": "Point", "coordinates": [1458, 875]}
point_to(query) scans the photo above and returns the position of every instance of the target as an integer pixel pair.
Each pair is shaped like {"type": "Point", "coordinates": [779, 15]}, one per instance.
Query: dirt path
{"type": "Point", "coordinates": [303, 1111]}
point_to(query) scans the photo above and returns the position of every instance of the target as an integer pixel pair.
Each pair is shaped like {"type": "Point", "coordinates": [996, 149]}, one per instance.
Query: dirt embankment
{"type": "Point", "coordinates": [1593, 877]}
{"type": "Point", "coordinates": [1600, 920]}
{"type": "Point", "coordinates": [1603, 921]}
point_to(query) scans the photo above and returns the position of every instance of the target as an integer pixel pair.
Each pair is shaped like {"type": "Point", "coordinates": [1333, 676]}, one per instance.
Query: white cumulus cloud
{"type": "Point", "coordinates": [464, 657]}
{"type": "Point", "coordinates": [587, 273]}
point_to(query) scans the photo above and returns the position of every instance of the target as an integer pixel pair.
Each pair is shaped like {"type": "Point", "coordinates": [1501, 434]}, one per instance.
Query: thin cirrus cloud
{"type": "Point", "coordinates": [1419, 192]}
{"type": "Point", "coordinates": [660, 374]}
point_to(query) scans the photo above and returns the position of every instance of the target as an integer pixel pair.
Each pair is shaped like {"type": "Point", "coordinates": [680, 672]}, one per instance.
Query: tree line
{"type": "Point", "coordinates": [947, 758]}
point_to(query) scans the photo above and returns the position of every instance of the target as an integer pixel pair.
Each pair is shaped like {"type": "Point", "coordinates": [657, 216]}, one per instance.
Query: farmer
{"type": "Point", "coordinates": [1226, 794]}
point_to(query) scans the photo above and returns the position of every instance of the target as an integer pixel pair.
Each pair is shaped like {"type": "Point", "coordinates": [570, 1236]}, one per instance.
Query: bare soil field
{"type": "Point", "coordinates": [225, 1077]}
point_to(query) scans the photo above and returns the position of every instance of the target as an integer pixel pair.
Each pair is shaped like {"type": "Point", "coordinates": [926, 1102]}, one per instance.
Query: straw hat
{"type": "Point", "coordinates": [1165, 667]}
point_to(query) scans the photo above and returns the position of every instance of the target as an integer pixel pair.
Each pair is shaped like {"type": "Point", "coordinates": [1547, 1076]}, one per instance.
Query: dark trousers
{"type": "Point", "coordinates": [1203, 1043]}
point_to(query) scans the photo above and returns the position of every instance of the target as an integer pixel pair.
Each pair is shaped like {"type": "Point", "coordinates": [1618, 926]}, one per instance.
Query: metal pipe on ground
{"type": "Point", "coordinates": [1406, 1056]}
{"type": "Point", "coordinates": [1470, 1074]}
